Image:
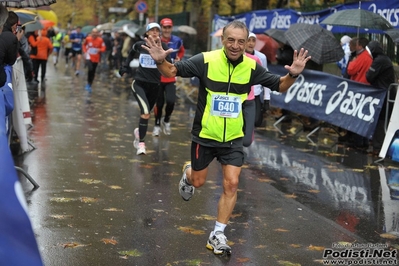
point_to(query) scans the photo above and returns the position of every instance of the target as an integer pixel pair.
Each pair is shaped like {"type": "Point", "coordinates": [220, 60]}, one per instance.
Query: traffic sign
{"type": "Point", "coordinates": [117, 9]}
{"type": "Point", "coordinates": [141, 6]}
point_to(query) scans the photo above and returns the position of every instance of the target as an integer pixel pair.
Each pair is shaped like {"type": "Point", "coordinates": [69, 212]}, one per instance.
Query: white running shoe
{"type": "Point", "coordinates": [141, 148]}
{"type": "Point", "coordinates": [166, 127]}
{"type": "Point", "coordinates": [185, 189]}
{"type": "Point", "coordinates": [218, 243]}
{"type": "Point", "coordinates": [136, 140]}
{"type": "Point", "coordinates": [156, 131]}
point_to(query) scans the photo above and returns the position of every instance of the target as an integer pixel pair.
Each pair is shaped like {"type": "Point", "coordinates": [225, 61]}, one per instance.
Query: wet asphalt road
{"type": "Point", "coordinates": [100, 204]}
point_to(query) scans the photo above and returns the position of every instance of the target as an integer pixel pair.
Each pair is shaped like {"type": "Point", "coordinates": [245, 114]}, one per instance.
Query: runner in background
{"type": "Point", "coordinates": [167, 91]}
{"type": "Point", "coordinates": [77, 38]}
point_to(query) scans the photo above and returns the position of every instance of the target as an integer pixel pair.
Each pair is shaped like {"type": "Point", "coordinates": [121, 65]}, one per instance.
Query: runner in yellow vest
{"type": "Point", "coordinates": [57, 39]}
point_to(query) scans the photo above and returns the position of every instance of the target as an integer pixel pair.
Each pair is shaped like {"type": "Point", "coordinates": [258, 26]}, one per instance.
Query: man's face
{"type": "Point", "coordinates": [154, 32]}
{"type": "Point", "coordinates": [250, 47]}
{"type": "Point", "coordinates": [166, 31]}
{"type": "Point", "coordinates": [95, 33]}
{"type": "Point", "coordinates": [234, 41]}
{"type": "Point", "coordinates": [15, 28]}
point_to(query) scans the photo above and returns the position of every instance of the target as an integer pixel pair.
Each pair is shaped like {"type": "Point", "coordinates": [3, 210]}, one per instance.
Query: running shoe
{"type": "Point", "coordinates": [141, 148]}
{"type": "Point", "coordinates": [77, 73]}
{"type": "Point", "coordinates": [218, 243]}
{"type": "Point", "coordinates": [136, 140]}
{"type": "Point", "coordinates": [88, 88]}
{"type": "Point", "coordinates": [156, 131]}
{"type": "Point", "coordinates": [166, 127]}
{"type": "Point", "coordinates": [185, 189]}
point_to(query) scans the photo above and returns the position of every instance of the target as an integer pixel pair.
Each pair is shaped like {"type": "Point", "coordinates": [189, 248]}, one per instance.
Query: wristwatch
{"type": "Point", "coordinates": [293, 76]}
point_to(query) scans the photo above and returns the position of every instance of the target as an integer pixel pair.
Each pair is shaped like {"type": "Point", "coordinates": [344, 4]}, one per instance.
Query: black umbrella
{"type": "Point", "coordinates": [322, 45]}
{"type": "Point", "coordinates": [393, 33]}
{"type": "Point", "coordinates": [277, 34]}
{"type": "Point", "coordinates": [358, 18]}
{"type": "Point", "coordinates": [27, 3]}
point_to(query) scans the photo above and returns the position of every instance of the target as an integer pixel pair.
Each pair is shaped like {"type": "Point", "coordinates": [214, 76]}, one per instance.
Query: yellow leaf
{"type": "Point", "coordinates": [281, 230]}
{"type": "Point", "coordinates": [109, 241]}
{"type": "Point", "coordinates": [317, 248]}
{"type": "Point", "coordinates": [261, 246]}
{"type": "Point", "coordinates": [315, 191]}
{"type": "Point", "coordinates": [62, 199]}
{"type": "Point", "coordinates": [205, 217]}
{"type": "Point", "coordinates": [88, 200]}
{"type": "Point", "coordinates": [131, 253]}
{"type": "Point", "coordinates": [113, 210]}
{"type": "Point", "coordinates": [72, 245]}
{"type": "Point", "coordinates": [241, 260]}
{"type": "Point", "coordinates": [288, 263]}
{"type": "Point", "coordinates": [89, 181]}
{"type": "Point", "coordinates": [60, 216]}
{"type": "Point", "coordinates": [191, 230]}
{"type": "Point", "coordinates": [388, 236]}
{"type": "Point", "coordinates": [115, 187]}
{"type": "Point", "coordinates": [292, 196]}
{"type": "Point", "coordinates": [265, 180]}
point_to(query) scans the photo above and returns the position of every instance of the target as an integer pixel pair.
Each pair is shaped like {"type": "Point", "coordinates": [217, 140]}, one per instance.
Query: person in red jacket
{"type": "Point", "coordinates": [42, 47]}
{"type": "Point", "coordinates": [361, 60]}
{"type": "Point", "coordinates": [93, 46]}
{"type": "Point", "coordinates": [167, 91]}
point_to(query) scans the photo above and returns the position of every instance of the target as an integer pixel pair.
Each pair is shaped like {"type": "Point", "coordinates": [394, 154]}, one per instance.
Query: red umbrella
{"type": "Point", "coordinates": [47, 23]}
{"type": "Point", "coordinates": [267, 45]}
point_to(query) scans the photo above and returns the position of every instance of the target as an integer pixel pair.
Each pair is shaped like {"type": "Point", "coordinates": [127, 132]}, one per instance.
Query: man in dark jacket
{"type": "Point", "coordinates": [380, 74]}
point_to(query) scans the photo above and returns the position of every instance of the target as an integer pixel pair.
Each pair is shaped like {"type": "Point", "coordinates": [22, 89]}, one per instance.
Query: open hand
{"type": "Point", "coordinates": [299, 62]}
{"type": "Point", "coordinates": [154, 48]}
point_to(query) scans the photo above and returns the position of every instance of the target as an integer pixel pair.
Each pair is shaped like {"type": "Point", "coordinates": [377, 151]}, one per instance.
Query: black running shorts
{"type": "Point", "coordinates": [202, 156]}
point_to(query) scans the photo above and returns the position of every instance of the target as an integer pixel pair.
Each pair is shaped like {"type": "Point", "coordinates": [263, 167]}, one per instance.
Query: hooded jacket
{"type": "Point", "coordinates": [381, 72]}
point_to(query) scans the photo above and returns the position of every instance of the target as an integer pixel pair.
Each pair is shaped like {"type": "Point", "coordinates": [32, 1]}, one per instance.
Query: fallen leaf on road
{"type": "Point", "coordinates": [109, 241]}
{"type": "Point", "coordinates": [131, 253]}
{"type": "Point", "coordinates": [90, 181]}
{"type": "Point", "coordinates": [115, 187]}
{"type": "Point", "coordinates": [73, 245]}
{"type": "Point", "coordinates": [317, 248]}
{"type": "Point", "coordinates": [191, 230]}
{"type": "Point", "coordinates": [88, 200]}
{"type": "Point", "coordinates": [113, 210]}
{"type": "Point", "coordinates": [62, 199]}
{"type": "Point", "coordinates": [281, 230]}
{"type": "Point", "coordinates": [288, 263]}
{"type": "Point", "coordinates": [388, 236]}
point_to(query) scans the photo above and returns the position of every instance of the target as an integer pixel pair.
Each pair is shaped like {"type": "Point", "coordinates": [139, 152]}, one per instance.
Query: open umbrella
{"type": "Point", "coordinates": [358, 18]}
{"type": "Point", "coordinates": [105, 27]}
{"type": "Point", "coordinates": [131, 29]}
{"type": "Point", "coordinates": [27, 3]}
{"type": "Point", "coordinates": [322, 45]}
{"type": "Point", "coordinates": [33, 26]}
{"type": "Point", "coordinates": [277, 34]}
{"type": "Point", "coordinates": [26, 17]}
{"type": "Point", "coordinates": [87, 29]}
{"type": "Point", "coordinates": [266, 45]}
{"type": "Point", "coordinates": [393, 33]}
{"type": "Point", "coordinates": [187, 29]}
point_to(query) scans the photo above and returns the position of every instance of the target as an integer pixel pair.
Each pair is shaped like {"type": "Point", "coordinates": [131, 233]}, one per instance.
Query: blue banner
{"type": "Point", "coordinates": [261, 20]}
{"type": "Point", "coordinates": [341, 102]}
{"type": "Point", "coordinates": [17, 242]}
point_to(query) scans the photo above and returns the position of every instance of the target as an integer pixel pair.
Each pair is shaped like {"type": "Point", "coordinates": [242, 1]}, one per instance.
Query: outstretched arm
{"type": "Point", "coordinates": [154, 47]}
{"type": "Point", "coordinates": [296, 68]}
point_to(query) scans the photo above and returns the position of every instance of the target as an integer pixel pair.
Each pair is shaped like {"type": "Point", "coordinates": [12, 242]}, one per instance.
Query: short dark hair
{"type": "Point", "coordinates": [236, 24]}
{"type": "Point", "coordinates": [12, 18]}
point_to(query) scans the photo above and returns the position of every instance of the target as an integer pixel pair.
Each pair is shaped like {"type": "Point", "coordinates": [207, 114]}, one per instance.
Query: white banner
{"type": "Point", "coordinates": [21, 116]}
